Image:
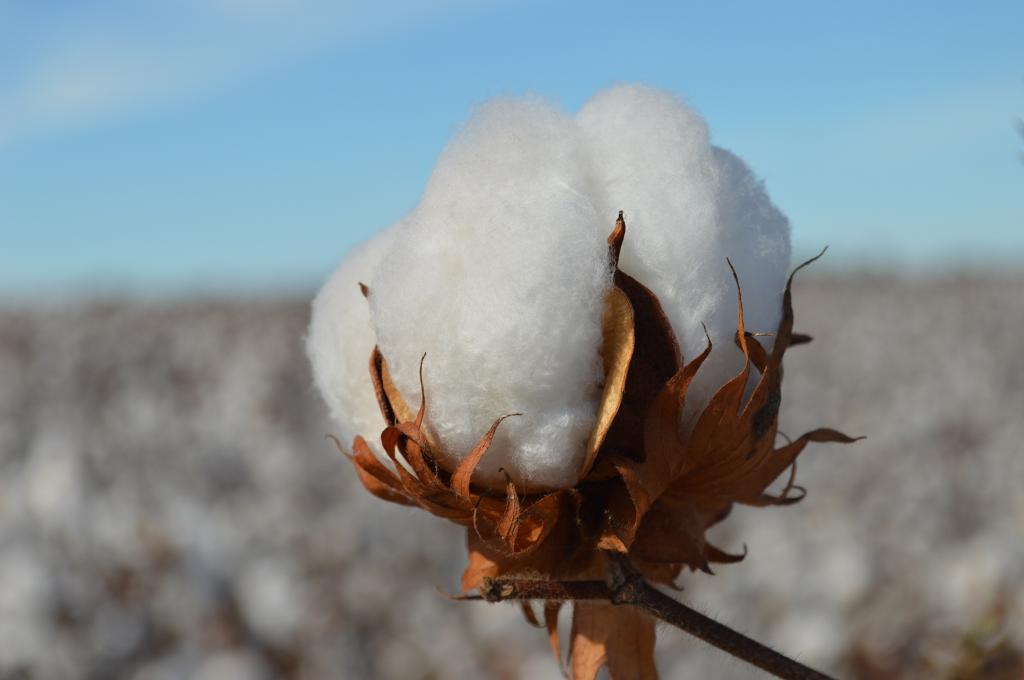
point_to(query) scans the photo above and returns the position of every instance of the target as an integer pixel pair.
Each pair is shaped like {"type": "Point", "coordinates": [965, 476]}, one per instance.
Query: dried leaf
{"type": "Point", "coordinates": [663, 440]}
{"type": "Point", "coordinates": [673, 533]}
{"type": "Point", "coordinates": [616, 354]}
{"type": "Point", "coordinates": [477, 569]}
{"type": "Point", "coordinates": [551, 609]}
{"type": "Point", "coordinates": [508, 525]}
{"type": "Point", "coordinates": [529, 615]}
{"type": "Point", "coordinates": [649, 489]}
{"type": "Point", "coordinates": [785, 330]}
{"type": "Point", "coordinates": [547, 543]}
{"type": "Point", "coordinates": [403, 414]}
{"type": "Point", "coordinates": [799, 339]}
{"type": "Point", "coordinates": [374, 475]}
{"type": "Point", "coordinates": [464, 472]}
{"type": "Point", "coordinates": [681, 485]}
{"type": "Point", "coordinates": [511, 528]}
{"type": "Point", "coordinates": [534, 522]}
{"type": "Point", "coordinates": [644, 482]}
{"type": "Point", "coordinates": [656, 358]}
{"type": "Point", "coordinates": [620, 637]}
{"type": "Point", "coordinates": [377, 378]}
{"type": "Point", "coordinates": [615, 240]}
{"type": "Point", "coordinates": [415, 450]}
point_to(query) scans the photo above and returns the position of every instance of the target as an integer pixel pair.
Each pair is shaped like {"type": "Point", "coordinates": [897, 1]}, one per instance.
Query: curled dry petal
{"type": "Point", "coordinates": [415, 478]}
{"type": "Point", "coordinates": [460, 481]}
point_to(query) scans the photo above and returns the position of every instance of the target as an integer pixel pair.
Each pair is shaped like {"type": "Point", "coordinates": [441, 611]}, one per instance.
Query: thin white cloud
{"type": "Point", "coordinates": [63, 68]}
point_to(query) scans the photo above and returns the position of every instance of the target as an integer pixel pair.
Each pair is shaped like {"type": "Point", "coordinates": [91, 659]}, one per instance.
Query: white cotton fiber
{"type": "Point", "coordinates": [499, 275]}
{"type": "Point", "coordinates": [340, 342]}
{"type": "Point", "coordinates": [688, 206]}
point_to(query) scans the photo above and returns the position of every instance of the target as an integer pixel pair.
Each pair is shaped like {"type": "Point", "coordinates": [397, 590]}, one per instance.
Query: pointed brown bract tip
{"type": "Point", "coordinates": [799, 339]}
{"type": "Point", "coordinates": [806, 263]}
{"type": "Point", "coordinates": [337, 443]}
{"type": "Point", "coordinates": [364, 289]}
{"type": "Point", "coordinates": [740, 328]}
{"type": "Point", "coordinates": [615, 240]}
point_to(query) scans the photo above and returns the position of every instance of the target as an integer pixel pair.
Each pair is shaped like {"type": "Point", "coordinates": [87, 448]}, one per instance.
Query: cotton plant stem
{"type": "Point", "coordinates": [626, 587]}
{"type": "Point", "coordinates": [719, 635]}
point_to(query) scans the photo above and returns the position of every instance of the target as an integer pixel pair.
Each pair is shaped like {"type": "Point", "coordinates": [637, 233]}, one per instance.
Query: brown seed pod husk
{"type": "Point", "coordinates": [648, 489]}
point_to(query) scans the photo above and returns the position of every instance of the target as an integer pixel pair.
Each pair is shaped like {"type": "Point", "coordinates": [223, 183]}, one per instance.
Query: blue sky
{"type": "Point", "coordinates": [246, 144]}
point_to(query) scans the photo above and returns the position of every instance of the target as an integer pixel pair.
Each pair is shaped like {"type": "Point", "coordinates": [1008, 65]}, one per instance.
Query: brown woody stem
{"type": "Point", "coordinates": [625, 586]}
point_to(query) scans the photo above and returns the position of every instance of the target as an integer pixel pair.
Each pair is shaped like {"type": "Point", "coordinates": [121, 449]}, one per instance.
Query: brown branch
{"type": "Point", "coordinates": [625, 586]}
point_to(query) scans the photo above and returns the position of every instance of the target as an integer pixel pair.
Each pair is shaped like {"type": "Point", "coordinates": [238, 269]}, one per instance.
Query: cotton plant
{"type": "Point", "coordinates": [585, 401]}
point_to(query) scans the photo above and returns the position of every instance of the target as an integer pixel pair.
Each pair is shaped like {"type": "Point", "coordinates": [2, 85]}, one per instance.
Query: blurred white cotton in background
{"type": "Point", "coordinates": [340, 342]}
{"type": "Point", "coordinates": [688, 206]}
{"type": "Point", "coordinates": [499, 275]}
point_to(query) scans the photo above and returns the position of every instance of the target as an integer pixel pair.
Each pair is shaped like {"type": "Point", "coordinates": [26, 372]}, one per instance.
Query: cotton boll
{"type": "Point", "coordinates": [340, 342]}
{"type": "Point", "coordinates": [499, 276]}
{"type": "Point", "coordinates": [749, 217]}
{"type": "Point", "coordinates": [688, 206]}
{"type": "Point", "coordinates": [500, 273]}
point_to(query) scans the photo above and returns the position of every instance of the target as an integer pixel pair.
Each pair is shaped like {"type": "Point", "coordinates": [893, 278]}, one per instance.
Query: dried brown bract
{"type": "Point", "coordinates": [649, 490]}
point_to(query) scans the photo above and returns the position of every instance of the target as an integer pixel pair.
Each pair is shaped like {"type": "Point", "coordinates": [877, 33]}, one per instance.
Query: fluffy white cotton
{"type": "Point", "coordinates": [340, 342]}
{"type": "Point", "coordinates": [688, 206]}
{"type": "Point", "coordinates": [499, 275]}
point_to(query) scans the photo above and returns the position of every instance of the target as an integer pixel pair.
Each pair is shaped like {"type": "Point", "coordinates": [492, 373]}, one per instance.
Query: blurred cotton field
{"type": "Point", "coordinates": [170, 507]}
